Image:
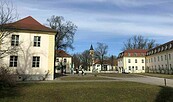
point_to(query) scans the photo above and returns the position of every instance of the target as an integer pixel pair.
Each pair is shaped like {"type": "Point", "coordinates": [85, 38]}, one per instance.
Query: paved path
{"type": "Point", "coordinates": [146, 80]}
{"type": "Point", "coordinates": [139, 78]}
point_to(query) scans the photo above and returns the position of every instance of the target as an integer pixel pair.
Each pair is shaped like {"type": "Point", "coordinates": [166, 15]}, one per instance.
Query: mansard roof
{"type": "Point", "coordinates": [161, 48]}
{"type": "Point", "coordinates": [133, 53]}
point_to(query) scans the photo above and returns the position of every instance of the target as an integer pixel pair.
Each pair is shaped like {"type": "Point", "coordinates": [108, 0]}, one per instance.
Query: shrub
{"type": "Point", "coordinates": [7, 79]}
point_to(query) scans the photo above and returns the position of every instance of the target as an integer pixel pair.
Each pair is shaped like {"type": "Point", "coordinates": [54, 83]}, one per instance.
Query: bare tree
{"type": "Point", "coordinates": [7, 15]}
{"type": "Point", "coordinates": [101, 52]}
{"type": "Point", "coordinates": [65, 32]}
{"type": "Point", "coordinates": [139, 42]}
{"type": "Point", "coordinates": [76, 60]}
{"type": "Point", "coordinates": [85, 59]}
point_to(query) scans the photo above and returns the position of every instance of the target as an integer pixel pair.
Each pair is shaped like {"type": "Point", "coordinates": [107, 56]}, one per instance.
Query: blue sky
{"type": "Point", "coordinates": [107, 21]}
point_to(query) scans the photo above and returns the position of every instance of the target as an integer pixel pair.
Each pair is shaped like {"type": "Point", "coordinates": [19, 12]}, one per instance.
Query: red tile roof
{"type": "Point", "coordinates": [136, 51]}
{"type": "Point", "coordinates": [61, 53]}
{"type": "Point", "coordinates": [30, 24]}
{"type": "Point", "coordinates": [133, 53]}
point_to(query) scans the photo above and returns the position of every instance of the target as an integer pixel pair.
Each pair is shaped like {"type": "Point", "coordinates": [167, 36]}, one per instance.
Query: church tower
{"type": "Point", "coordinates": [92, 57]}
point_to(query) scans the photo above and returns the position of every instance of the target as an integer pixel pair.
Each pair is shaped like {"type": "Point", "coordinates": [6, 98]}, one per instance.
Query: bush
{"type": "Point", "coordinates": [6, 78]}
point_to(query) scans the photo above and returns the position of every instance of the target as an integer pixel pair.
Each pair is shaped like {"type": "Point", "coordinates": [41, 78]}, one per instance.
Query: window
{"type": "Point", "coordinates": [57, 60]}
{"type": "Point", "coordinates": [98, 65]}
{"type": "Point", "coordinates": [142, 60]}
{"type": "Point", "coordinates": [35, 61]}
{"type": "Point", "coordinates": [158, 58]}
{"type": "Point", "coordinates": [13, 61]}
{"type": "Point", "coordinates": [65, 60]}
{"type": "Point", "coordinates": [165, 57]}
{"type": "Point", "coordinates": [135, 54]}
{"type": "Point", "coordinates": [15, 40]}
{"type": "Point", "coordinates": [129, 67]}
{"type": "Point", "coordinates": [154, 59]}
{"type": "Point", "coordinates": [169, 56]}
{"type": "Point", "coordinates": [129, 61]}
{"type": "Point", "coordinates": [128, 54]}
{"type": "Point", "coordinates": [136, 67]}
{"type": "Point", "coordinates": [37, 40]}
{"type": "Point", "coordinates": [133, 67]}
{"type": "Point", "coordinates": [170, 66]}
{"type": "Point", "coordinates": [142, 67]}
{"type": "Point", "coordinates": [161, 58]}
{"type": "Point", "coordinates": [135, 60]}
{"type": "Point", "coordinates": [151, 59]}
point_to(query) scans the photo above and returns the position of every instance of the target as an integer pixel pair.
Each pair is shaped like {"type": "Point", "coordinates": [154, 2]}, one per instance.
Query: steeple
{"type": "Point", "coordinates": [91, 48]}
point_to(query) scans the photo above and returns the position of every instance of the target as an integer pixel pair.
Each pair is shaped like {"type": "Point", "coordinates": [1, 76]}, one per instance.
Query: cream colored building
{"type": "Point", "coordinates": [35, 57]}
{"type": "Point", "coordinates": [63, 61]}
{"type": "Point", "coordinates": [132, 61]}
{"type": "Point", "coordinates": [160, 59]}
{"type": "Point", "coordinates": [108, 66]}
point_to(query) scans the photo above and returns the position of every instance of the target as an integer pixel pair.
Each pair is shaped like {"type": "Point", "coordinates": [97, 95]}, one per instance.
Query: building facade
{"type": "Point", "coordinates": [63, 62]}
{"type": "Point", "coordinates": [35, 57]}
{"type": "Point", "coordinates": [132, 61]}
{"type": "Point", "coordinates": [107, 66]}
{"type": "Point", "coordinates": [160, 59]}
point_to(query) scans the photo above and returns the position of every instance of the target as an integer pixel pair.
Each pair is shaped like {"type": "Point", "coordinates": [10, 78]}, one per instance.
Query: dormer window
{"type": "Point", "coordinates": [166, 47]}
{"type": "Point", "coordinates": [170, 45]}
{"type": "Point", "coordinates": [158, 49]}
{"type": "Point", "coordinates": [162, 48]}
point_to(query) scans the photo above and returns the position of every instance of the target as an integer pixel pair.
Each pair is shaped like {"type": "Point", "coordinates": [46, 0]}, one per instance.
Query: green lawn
{"type": "Point", "coordinates": [87, 92]}
{"type": "Point", "coordinates": [158, 75]}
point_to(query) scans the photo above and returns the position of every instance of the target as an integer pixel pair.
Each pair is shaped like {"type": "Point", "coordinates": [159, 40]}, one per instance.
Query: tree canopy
{"type": "Point", "coordinates": [139, 42]}
{"type": "Point", "coordinates": [65, 32]}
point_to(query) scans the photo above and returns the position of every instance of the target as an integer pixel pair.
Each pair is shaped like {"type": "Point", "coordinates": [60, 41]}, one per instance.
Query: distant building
{"type": "Point", "coordinates": [160, 59]}
{"type": "Point", "coordinates": [108, 65]}
{"type": "Point", "coordinates": [35, 57]}
{"type": "Point", "coordinates": [63, 62]}
{"type": "Point", "coordinates": [132, 61]}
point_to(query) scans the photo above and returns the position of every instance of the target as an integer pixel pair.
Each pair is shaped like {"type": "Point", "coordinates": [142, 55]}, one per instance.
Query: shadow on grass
{"type": "Point", "coordinates": [165, 95]}
{"type": "Point", "coordinates": [9, 92]}
{"type": "Point", "coordinates": [58, 75]}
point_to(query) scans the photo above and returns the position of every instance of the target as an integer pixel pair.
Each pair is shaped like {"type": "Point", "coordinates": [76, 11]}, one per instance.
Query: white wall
{"type": "Point", "coordinates": [68, 63]}
{"type": "Point", "coordinates": [27, 51]}
{"type": "Point", "coordinates": [123, 63]}
{"type": "Point", "coordinates": [153, 65]}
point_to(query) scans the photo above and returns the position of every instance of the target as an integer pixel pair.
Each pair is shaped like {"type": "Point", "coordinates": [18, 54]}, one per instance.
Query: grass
{"type": "Point", "coordinates": [158, 75]}
{"type": "Point", "coordinates": [85, 77]}
{"type": "Point", "coordinates": [87, 92]}
{"type": "Point", "coordinates": [118, 75]}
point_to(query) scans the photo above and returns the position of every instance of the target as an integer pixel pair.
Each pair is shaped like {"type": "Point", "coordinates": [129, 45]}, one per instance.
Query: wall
{"type": "Point", "coordinates": [27, 51]}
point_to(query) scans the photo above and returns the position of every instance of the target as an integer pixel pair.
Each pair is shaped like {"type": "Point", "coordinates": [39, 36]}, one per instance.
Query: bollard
{"type": "Point", "coordinates": [165, 81]}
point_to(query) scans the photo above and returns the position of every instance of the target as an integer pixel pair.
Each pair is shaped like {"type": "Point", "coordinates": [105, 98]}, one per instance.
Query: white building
{"type": "Point", "coordinates": [108, 66]}
{"type": "Point", "coordinates": [35, 58]}
{"type": "Point", "coordinates": [160, 59]}
{"type": "Point", "coordinates": [132, 61]}
{"type": "Point", "coordinates": [63, 60]}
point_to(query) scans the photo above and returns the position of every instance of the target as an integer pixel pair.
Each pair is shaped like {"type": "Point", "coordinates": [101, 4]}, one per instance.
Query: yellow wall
{"type": "Point", "coordinates": [51, 54]}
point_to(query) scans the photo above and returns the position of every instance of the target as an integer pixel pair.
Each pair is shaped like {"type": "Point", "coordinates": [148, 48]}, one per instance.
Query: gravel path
{"type": "Point", "coordinates": [146, 80]}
